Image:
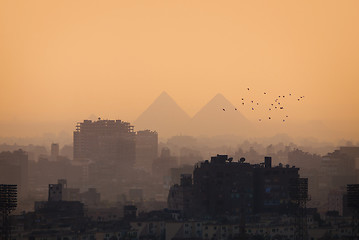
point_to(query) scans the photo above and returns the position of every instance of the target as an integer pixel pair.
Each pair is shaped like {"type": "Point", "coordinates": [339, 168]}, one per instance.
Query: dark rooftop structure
{"type": "Point", "coordinates": [222, 186]}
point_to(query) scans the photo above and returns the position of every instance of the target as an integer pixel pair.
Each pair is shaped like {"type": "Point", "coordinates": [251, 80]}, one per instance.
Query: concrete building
{"type": "Point", "coordinates": [110, 141]}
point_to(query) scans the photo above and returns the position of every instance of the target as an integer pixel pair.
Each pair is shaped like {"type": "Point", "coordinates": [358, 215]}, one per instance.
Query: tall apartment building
{"type": "Point", "coordinates": [224, 187]}
{"type": "Point", "coordinates": [105, 141]}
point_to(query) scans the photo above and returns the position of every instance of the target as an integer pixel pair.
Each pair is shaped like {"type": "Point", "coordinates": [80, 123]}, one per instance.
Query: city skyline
{"type": "Point", "coordinates": [62, 62]}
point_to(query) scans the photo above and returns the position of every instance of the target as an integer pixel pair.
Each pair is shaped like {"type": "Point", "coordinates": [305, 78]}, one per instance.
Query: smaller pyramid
{"type": "Point", "coordinates": [164, 116]}
{"type": "Point", "coordinates": [219, 117]}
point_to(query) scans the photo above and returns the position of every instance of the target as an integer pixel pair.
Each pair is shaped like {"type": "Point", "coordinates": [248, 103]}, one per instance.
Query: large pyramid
{"type": "Point", "coordinates": [213, 120]}
{"type": "Point", "coordinates": [164, 116]}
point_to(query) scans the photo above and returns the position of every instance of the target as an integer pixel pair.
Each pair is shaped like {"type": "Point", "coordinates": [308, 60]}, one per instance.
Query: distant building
{"type": "Point", "coordinates": [14, 170]}
{"type": "Point", "coordinates": [180, 196]}
{"type": "Point", "coordinates": [146, 149]}
{"type": "Point", "coordinates": [223, 187]}
{"type": "Point", "coordinates": [55, 149]}
{"type": "Point", "coordinates": [91, 197]}
{"type": "Point", "coordinates": [335, 201]}
{"type": "Point", "coordinates": [175, 173]}
{"type": "Point", "coordinates": [337, 169]}
{"type": "Point", "coordinates": [105, 141]}
{"type": "Point", "coordinates": [135, 195]}
{"type": "Point", "coordinates": [60, 192]}
{"type": "Point", "coordinates": [162, 165]}
{"type": "Point", "coordinates": [304, 160]}
{"type": "Point", "coordinates": [129, 212]}
{"type": "Point", "coordinates": [55, 192]}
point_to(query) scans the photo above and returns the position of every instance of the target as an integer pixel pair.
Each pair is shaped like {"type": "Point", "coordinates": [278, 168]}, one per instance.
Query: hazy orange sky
{"type": "Point", "coordinates": [61, 61]}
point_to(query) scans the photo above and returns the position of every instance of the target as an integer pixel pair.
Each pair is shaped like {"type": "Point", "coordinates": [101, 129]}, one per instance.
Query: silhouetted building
{"type": "Point", "coordinates": [180, 196]}
{"type": "Point", "coordinates": [55, 149]}
{"type": "Point", "coordinates": [14, 170]}
{"type": "Point", "coordinates": [110, 141]}
{"type": "Point", "coordinates": [164, 163]}
{"type": "Point", "coordinates": [224, 187]}
{"type": "Point", "coordinates": [55, 192]}
{"type": "Point", "coordinates": [91, 197]}
{"type": "Point", "coordinates": [175, 173]}
{"type": "Point", "coordinates": [8, 203]}
{"type": "Point", "coordinates": [60, 192]}
{"type": "Point", "coordinates": [129, 212]}
{"type": "Point", "coordinates": [338, 169]}
{"type": "Point", "coordinates": [304, 160]}
{"type": "Point", "coordinates": [335, 201]}
{"type": "Point", "coordinates": [44, 171]}
{"type": "Point", "coordinates": [146, 149]}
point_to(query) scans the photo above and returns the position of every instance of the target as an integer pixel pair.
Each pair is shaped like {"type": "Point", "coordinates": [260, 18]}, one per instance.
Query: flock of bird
{"type": "Point", "coordinates": [277, 104]}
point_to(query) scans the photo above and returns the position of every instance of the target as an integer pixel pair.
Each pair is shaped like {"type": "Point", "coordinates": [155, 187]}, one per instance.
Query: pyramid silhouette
{"type": "Point", "coordinates": [212, 120]}
{"type": "Point", "coordinates": [164, 116]}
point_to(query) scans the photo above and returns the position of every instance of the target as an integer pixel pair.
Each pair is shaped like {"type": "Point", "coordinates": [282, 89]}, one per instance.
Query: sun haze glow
{"type": "Point", "coordinates": [61, 61]}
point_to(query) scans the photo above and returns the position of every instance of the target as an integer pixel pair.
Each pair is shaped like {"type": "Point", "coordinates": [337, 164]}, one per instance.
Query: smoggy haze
{"type": "Point", "coordinates": [62, 61]}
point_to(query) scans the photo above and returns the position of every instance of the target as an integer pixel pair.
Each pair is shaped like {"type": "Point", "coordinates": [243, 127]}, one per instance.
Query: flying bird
{"type": "Point", "coordinates": [235, 109]}
{"type": "Point", "coordinates": [248, 89]}
{"type": "Point", "coordinates": [224, 109]}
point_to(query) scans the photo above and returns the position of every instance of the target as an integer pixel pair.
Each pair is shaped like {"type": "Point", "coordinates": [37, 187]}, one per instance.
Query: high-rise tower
{"type": "Point", "coordinates": [106, 141]}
